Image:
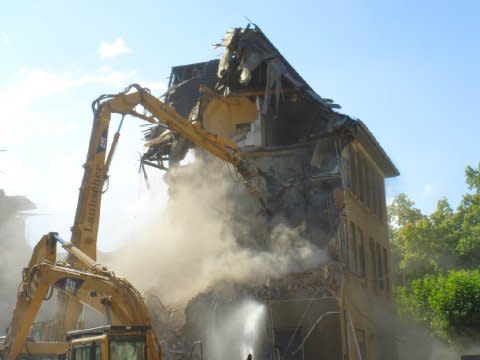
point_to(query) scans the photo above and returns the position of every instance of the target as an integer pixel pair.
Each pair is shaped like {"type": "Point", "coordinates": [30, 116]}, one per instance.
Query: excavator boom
{"type": "Point", "coordinates": [87, 216]}
{"type": "Point", "coordinates": [98, 288]}
{"type": "Point", "coordinates": [83, 281]}
{"type": "Point", "coordinates": [85, 228]}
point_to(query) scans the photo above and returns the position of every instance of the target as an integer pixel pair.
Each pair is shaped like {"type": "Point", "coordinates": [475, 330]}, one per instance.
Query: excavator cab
{"type": "Point", "coordinates": [108, 343]}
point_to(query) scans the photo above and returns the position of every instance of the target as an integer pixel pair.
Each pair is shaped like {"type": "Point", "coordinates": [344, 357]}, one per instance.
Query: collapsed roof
{"type": "Point", "coordinates": [251, 67]}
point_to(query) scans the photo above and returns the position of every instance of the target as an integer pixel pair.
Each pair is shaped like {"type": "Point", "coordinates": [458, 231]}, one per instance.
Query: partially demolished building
{"type": "Point", "coordinates": [317, 169]}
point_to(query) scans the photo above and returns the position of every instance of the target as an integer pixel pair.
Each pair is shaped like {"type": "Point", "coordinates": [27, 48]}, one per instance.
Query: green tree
{"type": "Point", "coordinates": [448, 304]}
{"type": "Point", "coordinates": [468, 221]}
{"type": "Point", "coordinates": [436, 259]}
{"type": "Point", "coordinates": [421, 244]}
{"type": "Point", "coordinates": [444, 240]}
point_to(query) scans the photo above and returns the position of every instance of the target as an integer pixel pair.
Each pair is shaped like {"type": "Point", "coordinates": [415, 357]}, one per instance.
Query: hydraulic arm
{"type": "Point", "coordinates": [85, 227]}
{"type": "Point", "coordinates": [98, 288]}
{"type": "Point", "coordinates": [82, 280]}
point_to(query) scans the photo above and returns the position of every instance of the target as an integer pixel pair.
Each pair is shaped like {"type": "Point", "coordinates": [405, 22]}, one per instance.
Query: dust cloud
{"type": "Point", "coordinates": [415, 342]}
{"type": "Point", "coordinates": [411, 340]}
{"type": "Point", "coordinates": [210, 231]}
{"type": "Point", "coordinates": [15, 256]}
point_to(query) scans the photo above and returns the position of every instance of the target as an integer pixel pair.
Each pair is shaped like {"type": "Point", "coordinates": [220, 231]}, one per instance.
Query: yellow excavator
{"type": "Point", "coordinates": [85, 228]}
{"type": "Point", "coordinates": [80, 266]}
{"type": "Point", "coordinates": [127, 334]}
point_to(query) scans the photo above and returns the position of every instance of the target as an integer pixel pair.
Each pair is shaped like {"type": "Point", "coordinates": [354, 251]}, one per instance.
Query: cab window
{"type": "Point", "coordinates": [98, 350]}
{"type": "Point", "coordinates": [127, 349]}
{"type": "Point", "coordinates": [82, 352]}
{"type": "Point", "coordinates": [89, 351]}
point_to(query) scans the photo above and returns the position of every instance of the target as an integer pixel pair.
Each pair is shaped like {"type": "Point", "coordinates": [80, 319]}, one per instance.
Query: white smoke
{"type": "Point", "coordinates": [210, 231]}
{"type": "Point", "coordinates": [15, 256]}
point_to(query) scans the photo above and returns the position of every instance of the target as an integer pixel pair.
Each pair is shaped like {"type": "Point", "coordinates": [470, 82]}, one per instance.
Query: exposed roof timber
{"type": "Point", "coordinates": [256, 43]}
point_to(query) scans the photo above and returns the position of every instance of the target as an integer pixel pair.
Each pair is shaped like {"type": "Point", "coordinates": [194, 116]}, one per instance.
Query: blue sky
{"type": "Point", "coordinates": [408, 69]}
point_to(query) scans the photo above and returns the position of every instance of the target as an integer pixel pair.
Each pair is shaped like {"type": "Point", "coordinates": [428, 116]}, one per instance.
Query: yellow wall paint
{"type": "Point", "coordinates": [221, 115]}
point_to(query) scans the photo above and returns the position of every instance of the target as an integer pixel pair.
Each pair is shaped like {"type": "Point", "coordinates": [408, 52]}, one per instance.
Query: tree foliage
{"type": "Point", "coordinates": [436, 258]}
{"type": "Point", "coordinates": [449, 304]}
{"type": "Point", "coordinates": [444, 240]}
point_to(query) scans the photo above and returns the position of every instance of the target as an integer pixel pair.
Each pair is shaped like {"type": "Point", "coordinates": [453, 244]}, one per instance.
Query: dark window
{"type": "Point", "coordinates": [353, 249]}
{"type": "Point", "coordinates": [379, 196]}
{"type": "Point", "coordinates": [82, 352]}
{"type": "Point", "coordinates": [366, 183]}
{"type": "Point", "coordinates": [373, 261]}
{"type": "Point", "coordinates": [378, 253]}
{"type": "Point", "coordinates": [347, 169]}
{"type": "Point", "coordinates": [98, 350]}
{"type": "Point", "coordinates": [362, 177]}
{"type": "Point", "coordinates": [375, 192]}
{"type": "Point", "coordinates": [369, 182]}
{"type": "Point", "coordinates": [361, 252]}
{"type": "Point", "coordinates": [385, 271]}
{"type": "Point", "coordinates": [354, 167]}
